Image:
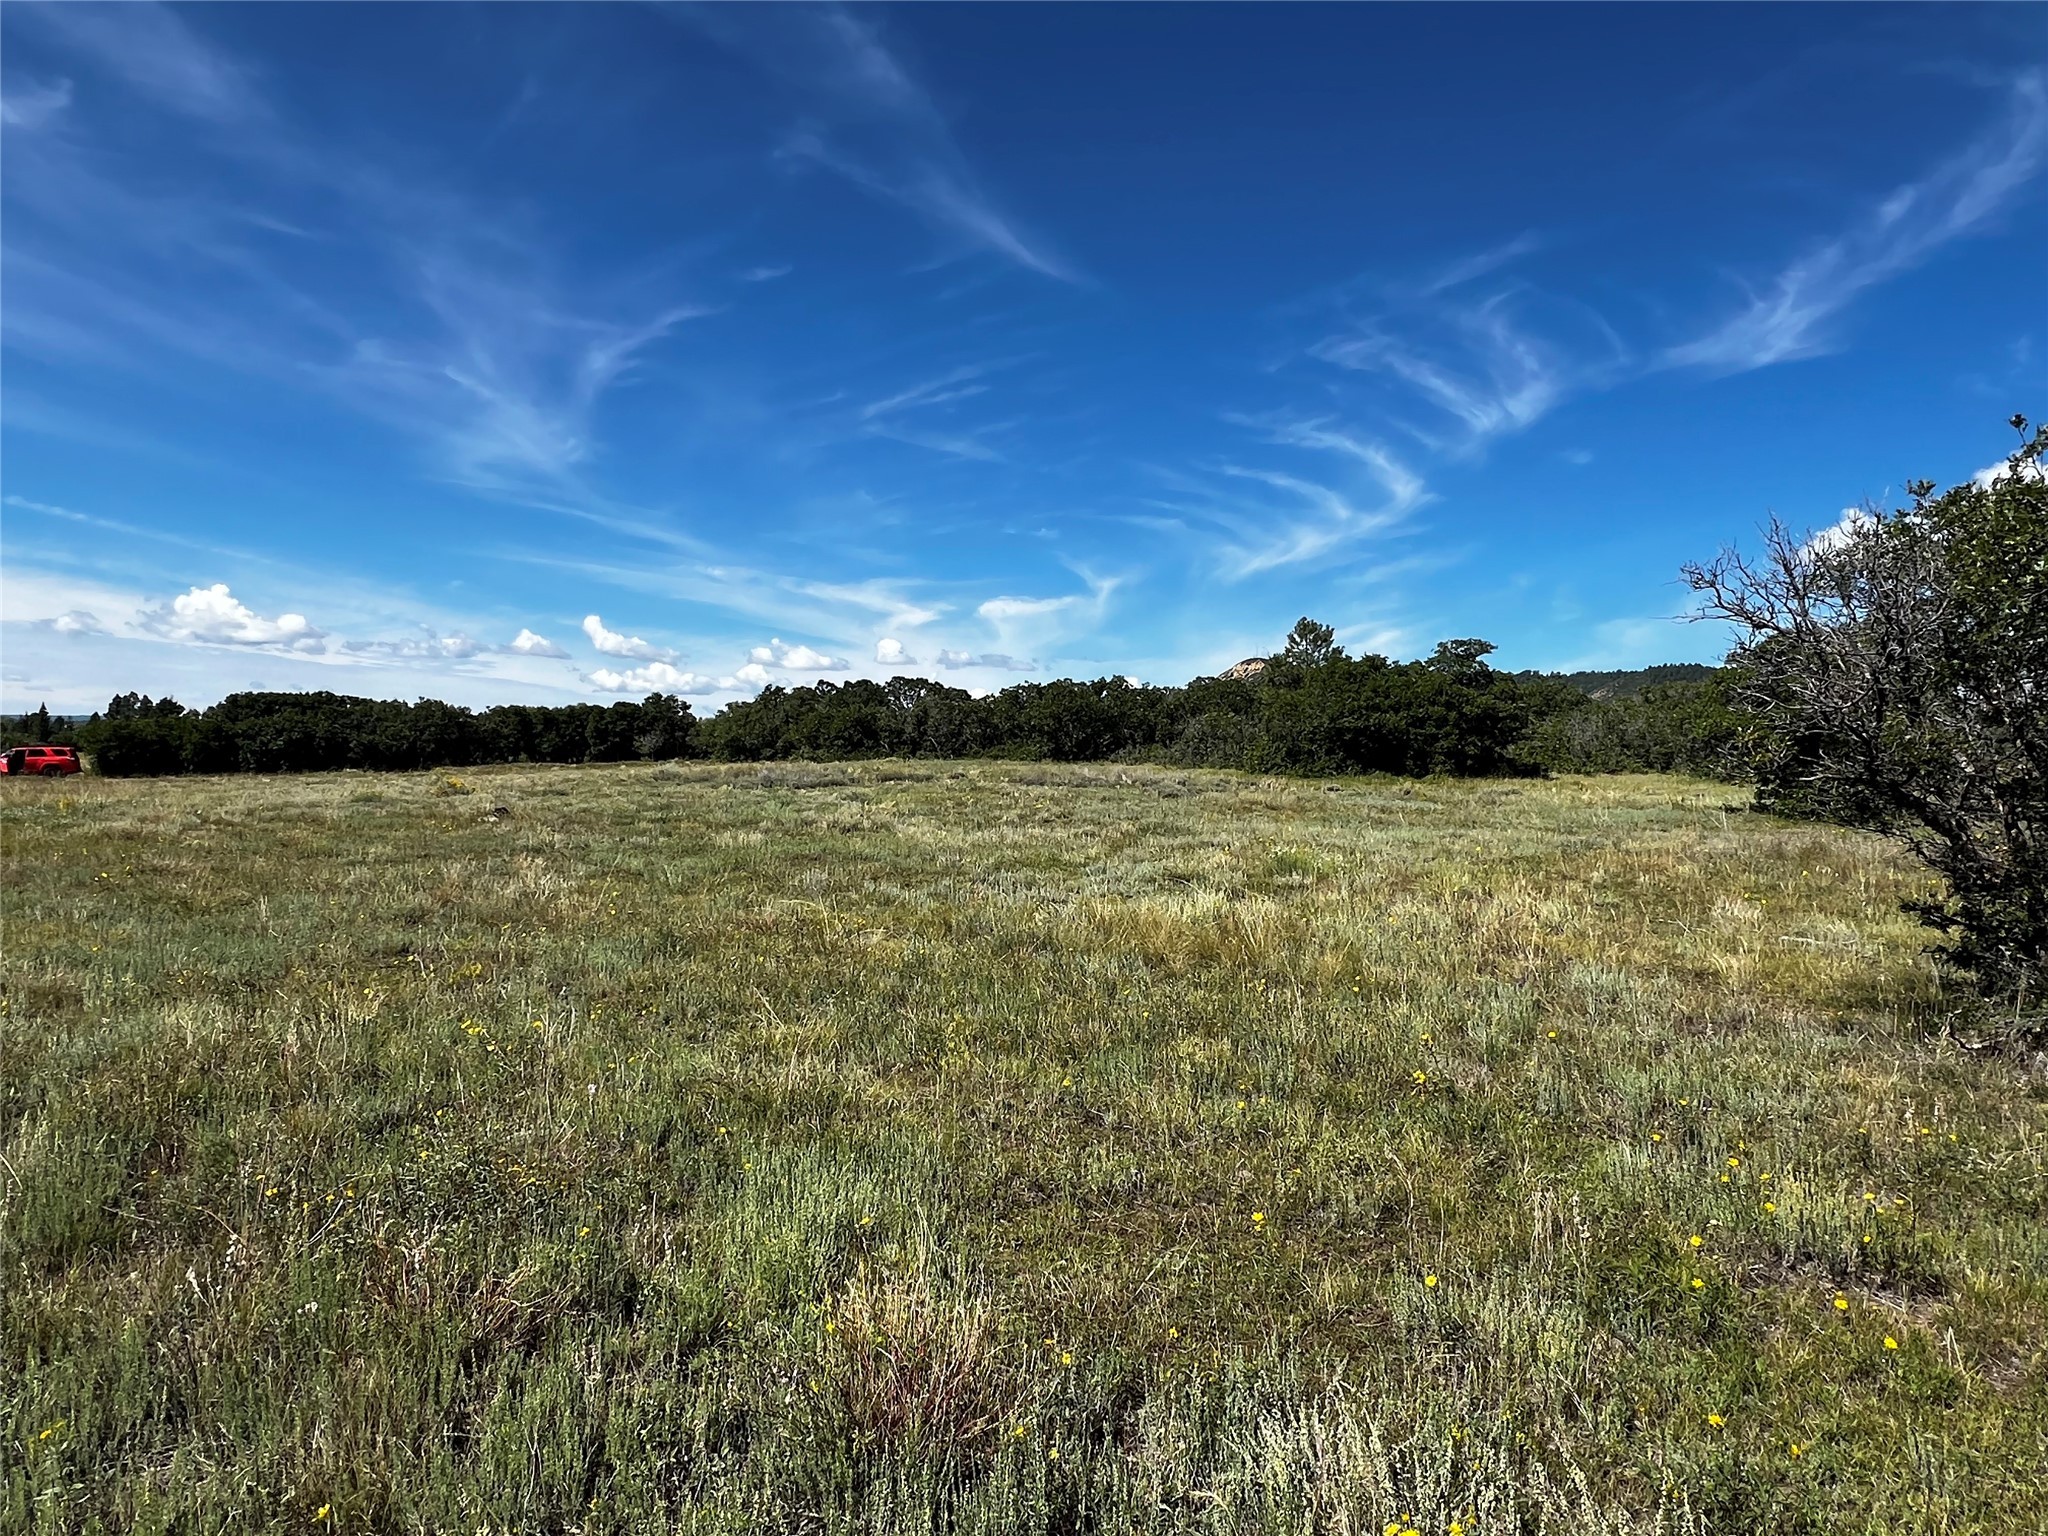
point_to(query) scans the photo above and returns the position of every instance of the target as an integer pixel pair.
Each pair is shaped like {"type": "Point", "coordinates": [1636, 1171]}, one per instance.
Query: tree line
{"type": "Point", "coordinates": [1310, 709]}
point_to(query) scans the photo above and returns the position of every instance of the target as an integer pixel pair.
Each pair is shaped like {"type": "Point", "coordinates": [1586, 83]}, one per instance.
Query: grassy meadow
{"type": "Point", "coordinates": [995, 1148]}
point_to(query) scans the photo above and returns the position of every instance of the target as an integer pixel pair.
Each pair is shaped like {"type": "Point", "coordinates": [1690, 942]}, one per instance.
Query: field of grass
{"type": "Point", "coordinates": [995, 1148]}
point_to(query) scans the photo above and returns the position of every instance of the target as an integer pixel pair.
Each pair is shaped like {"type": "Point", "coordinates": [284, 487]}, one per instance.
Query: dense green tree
{"type": "Point", "coordinates": [1895, 675]}
{"type": "Point", "coordinates": [1667, 728]}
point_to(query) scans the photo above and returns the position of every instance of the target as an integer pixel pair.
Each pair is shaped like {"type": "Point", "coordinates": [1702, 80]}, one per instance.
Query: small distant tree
{"type": "Point", "coordinates": [1894, 672]}
{"type": "Point", "coordinates": [1310, 644]}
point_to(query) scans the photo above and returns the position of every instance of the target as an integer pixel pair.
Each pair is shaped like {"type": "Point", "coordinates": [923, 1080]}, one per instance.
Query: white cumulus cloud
{"type": "Point", "coordinates": [1839, 533]}
{"type": "Point", "coordinates": [794, 658]}
{"type": "Point", "coordinates": [612, 643]}
{"type": "Point", "coordinates": [527, 643]}
{"type": "Point", "coordinates": [77, 622]}
{"type": "Point", "coordinates": [889, 652]}
{"type": "Point", "coordinates": [1991, 474]}
{"type": "Point", "coordinates": [215, 616]}
{"type": "Point", "coordinates": [655, 677]}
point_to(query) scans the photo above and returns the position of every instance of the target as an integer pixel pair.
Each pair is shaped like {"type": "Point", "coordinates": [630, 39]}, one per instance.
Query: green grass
{"type": "Point", "coordinates": [995, 1148]}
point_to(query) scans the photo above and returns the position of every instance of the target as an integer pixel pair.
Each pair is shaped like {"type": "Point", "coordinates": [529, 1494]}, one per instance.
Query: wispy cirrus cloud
{"type": "Point", "coordinates": [897, 416]}
{"type": "Point", "coordinates": [29, 104]}
{"type": "Point", "coordinates": [423, 647]}
{"type": "Point", "coordinates": [957, 384]}
{"type": "Point", "coordinates": [992, 661]}
{"type": "Point", "coordinates": [1469, 355]}
{"type": "Point", "coordinates": [887, 598]}
{"type": "Point", "coordinates": [958, 445]}
{"type": "Point", "coordinates": [1468, 269]}
{"type": "Point", "coordinates": [1479, 368]}
{"type": "Point", "coordinates": [152, 50]}
{"type": "Point", "coordinates": [505, 386]}
{"type": "Point", "coordinates": [1280, 536]}
{"type": "Point", "coordinates": [846, 613]}
{"type": "Point", "coordinates": [1789, 317]}
{"type": "Point", "coordinates": [483, 345]}
{"type": "Point", "coordinates": [1309, 520]}
{"type": "Point", "coordinates": [869, 122]}
{"type": "Point", "coordinates": [1033, 625]}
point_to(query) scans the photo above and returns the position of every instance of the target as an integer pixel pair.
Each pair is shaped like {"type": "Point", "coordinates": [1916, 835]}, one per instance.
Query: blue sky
{"type": "Point", "coordinates": [536, 352]}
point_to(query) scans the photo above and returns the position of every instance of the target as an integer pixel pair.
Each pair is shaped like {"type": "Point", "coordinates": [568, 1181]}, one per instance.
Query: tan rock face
{"type": "Point", "coordinates": [1250, 667]}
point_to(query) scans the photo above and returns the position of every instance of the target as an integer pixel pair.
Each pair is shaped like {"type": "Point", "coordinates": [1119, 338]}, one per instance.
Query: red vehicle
{"type": "Point", "coordinates": [49, 762]}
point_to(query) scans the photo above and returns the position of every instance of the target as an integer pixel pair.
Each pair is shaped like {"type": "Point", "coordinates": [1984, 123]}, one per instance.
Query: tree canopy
{"type": "Point", "coordinates": [1894, 677]}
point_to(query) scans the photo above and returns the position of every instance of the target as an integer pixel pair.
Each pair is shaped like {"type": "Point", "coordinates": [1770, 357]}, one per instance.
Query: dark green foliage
{"type": "Point", "coordinates": [1673, 727]}
{"type": "Point", "coordinates": [307, 732]}
{"type": "Point", "coordinates": [1625, 684]}
{"type": "Point", "coordinates": [1320, 711]}
{"type": "Point", "coordinates": [1314, 710]}
{"type": "Point", "coordinates": [1894, 676]}
{"type": "Point", "coordinates": [37, 728]}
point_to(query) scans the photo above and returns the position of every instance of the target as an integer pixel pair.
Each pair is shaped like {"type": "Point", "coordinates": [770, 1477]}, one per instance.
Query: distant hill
{"type": "Point", "coordinates": [1625, 685]}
